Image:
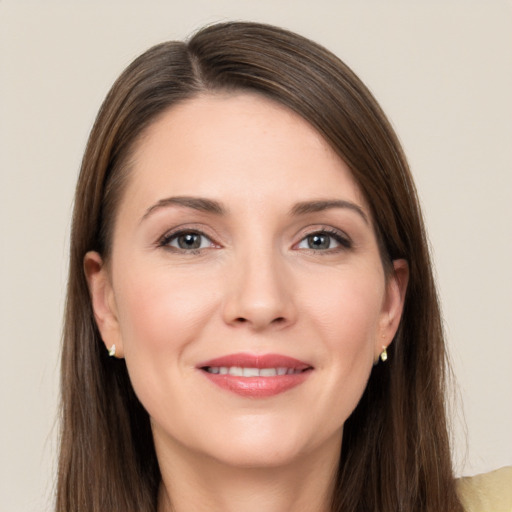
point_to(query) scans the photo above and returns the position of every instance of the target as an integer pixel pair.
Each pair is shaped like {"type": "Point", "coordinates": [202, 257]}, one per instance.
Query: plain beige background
{"type": "Point", "coordinates": [441, 70]}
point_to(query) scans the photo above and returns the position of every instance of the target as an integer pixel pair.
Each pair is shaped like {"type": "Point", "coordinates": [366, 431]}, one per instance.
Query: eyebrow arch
{"type": "Point", "coordinates": [321, 205]}
{"type": "Point", "coordinates": [195, 203]}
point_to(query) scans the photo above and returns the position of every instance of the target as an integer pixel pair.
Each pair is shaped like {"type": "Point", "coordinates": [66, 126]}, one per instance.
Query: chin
{"type": "Point", "coordinates": [258, 456]}
{"type": "Point", "coordinates": [263, 444]}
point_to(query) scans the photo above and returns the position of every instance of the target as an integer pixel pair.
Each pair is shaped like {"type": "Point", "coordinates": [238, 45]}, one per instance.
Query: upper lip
{"type": "Point", "coordinates": [246, 360]}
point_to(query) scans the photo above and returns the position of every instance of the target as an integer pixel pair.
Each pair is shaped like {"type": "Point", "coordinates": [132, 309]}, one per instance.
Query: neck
{"type": "Point", "coordinates": [206, 485]}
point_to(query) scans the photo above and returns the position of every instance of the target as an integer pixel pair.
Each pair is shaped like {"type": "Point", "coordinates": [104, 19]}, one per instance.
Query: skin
{"type": "Point", "coordinates": [256, 284]}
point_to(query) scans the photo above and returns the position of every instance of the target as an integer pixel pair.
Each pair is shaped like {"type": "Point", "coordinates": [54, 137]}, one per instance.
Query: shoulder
{"type": "Point", "coordinates": [489, 492]}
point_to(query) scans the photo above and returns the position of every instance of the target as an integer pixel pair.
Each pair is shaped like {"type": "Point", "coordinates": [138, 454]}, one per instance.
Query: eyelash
{"type": "Point", "coordinates": [166, 240]}
{"type": "Point", "coordinates": [340, 238]}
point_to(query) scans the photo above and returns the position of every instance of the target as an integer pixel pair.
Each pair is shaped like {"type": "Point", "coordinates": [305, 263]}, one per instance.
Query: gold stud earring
{"type": "Point", "coordinates": [112, 351]}
{"type": "Point", "coordinates": [384, 354]}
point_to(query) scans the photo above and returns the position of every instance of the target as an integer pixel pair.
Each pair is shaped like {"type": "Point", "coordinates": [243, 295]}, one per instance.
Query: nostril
{"type": "Point", "coordinates": [260, 320]}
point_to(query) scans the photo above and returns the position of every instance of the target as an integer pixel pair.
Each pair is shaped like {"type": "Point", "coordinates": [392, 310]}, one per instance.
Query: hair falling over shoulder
{"type": "Point", "coordinates": [395, 450]}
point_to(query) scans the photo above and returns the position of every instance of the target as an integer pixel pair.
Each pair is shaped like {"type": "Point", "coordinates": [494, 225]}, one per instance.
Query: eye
{"type": "Point", "coordinates": [323, 241]}
{"type": "Point", "coordinates": [187, 241]}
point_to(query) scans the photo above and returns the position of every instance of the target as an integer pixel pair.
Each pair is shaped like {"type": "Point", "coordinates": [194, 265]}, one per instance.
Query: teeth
{"type": "Point", "coordinates": [238, 371]}
{"type": "Point", "coordinates": [251, 372]}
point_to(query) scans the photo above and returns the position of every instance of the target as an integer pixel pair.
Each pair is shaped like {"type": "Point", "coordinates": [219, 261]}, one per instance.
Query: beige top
{"type": "Point", "coordinates": [490, 492]}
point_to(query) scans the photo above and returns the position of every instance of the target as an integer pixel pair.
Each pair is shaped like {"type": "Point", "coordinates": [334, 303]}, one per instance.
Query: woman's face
{"type": "Point", "coordinates": [245, 287]}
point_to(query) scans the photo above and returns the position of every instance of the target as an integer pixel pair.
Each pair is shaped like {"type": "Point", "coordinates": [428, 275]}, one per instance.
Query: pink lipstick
{"type": "Point", "coordinates": [257, 376]}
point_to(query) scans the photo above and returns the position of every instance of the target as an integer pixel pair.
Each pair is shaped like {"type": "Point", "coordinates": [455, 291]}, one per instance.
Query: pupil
{"type": "Point", "coordinates": [189, 241]}
{"type": "Point", "coordinates": [319, 242]}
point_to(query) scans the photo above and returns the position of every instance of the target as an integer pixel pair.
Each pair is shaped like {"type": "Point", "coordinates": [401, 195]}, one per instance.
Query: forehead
{"type": "Point", "coordinates": [241, 146]}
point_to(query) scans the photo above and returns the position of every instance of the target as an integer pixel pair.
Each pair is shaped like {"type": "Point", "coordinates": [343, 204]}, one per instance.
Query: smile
{"type": "Point", "coordinates": [256, 376]}
{"type": "Point", "coordinates": [238, 371]}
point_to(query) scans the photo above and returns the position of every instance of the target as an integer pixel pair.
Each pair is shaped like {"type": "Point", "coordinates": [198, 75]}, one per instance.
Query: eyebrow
{"type": "Point", "coordinates": [306, 207]}
{"type": "Point", "coordinates": [211, 206]}
{"type": "Point", "coordinates": [195, 203]}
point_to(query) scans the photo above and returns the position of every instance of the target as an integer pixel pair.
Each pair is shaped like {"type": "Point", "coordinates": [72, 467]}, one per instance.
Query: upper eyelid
{"type": "Point", "coordinates": [311, 230]}
{"type": "Point", "coordinates": [189, 228]}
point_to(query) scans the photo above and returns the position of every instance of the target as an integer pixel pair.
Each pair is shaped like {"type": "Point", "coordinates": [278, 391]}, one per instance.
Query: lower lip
{"type": "Point", "coordinates": [257, 387]}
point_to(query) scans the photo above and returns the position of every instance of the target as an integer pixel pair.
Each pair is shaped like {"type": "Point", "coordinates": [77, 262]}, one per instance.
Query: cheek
{"type": "Point", "coordinates": [346, 308]}
{"type": "Point", "coordinates": [346, 317]}
{"type": "Point", "coordinates": [161, 313]}
{"type": "Point", "coordinates": [162, 310]}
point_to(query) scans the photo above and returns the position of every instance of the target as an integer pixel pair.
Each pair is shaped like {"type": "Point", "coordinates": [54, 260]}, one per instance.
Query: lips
{"type": "Point", "coordinates": [256, 376]}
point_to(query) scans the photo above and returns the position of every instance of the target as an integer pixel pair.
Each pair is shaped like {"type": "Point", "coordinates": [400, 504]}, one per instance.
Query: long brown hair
{"type": "Point", "coordinates": [395, 454]}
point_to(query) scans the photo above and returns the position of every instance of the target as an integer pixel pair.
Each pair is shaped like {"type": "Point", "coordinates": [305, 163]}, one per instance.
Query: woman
{"type": "Point", "coordinates": [252, 321]}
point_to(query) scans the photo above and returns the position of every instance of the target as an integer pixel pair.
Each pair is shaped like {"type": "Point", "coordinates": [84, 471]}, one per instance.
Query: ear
{"type": "Point", "coordinates": [396, 288]}
{"type": "Point", "coordinates": [103, 301]}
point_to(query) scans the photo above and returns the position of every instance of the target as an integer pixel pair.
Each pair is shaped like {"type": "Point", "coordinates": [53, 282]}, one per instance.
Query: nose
{"type": "Point", "coordinates": [259, 293]}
